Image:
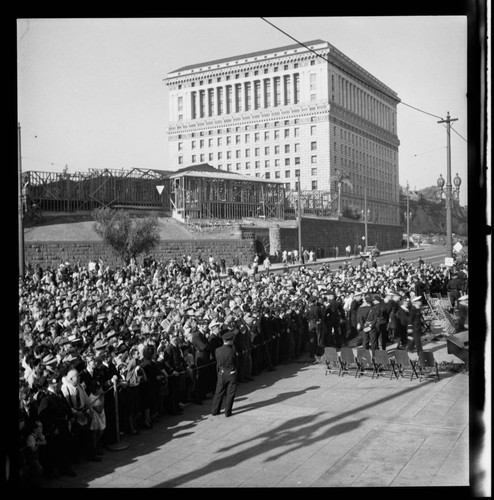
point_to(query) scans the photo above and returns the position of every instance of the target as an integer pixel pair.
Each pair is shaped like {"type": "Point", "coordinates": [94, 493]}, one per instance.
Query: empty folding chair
{"type": "Point", "coordinates": [332, 360]}
{"type": "Point", "coordinates": [384, 363]}
{"type": "Point", "coordinates": [365, 362]}
{"type": "Point", "coordinates": [404, 364]}
{"type": "Point", "coordinates": [348, 362]}
{"type": "Point", "coordinates": [428, 366]}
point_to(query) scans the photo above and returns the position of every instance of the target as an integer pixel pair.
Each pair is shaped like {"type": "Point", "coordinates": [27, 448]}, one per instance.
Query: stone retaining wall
{"type": "Point", "coordinates": [52, 254]}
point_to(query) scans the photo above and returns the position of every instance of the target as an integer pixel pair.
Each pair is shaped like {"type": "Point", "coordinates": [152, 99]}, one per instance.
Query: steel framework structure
{"type": "Point", "coordinates": [315, 202]}
{"type": "Point", "coordinates": [196, 196]}
{"type": "Point", "coordinates": [85, 191]}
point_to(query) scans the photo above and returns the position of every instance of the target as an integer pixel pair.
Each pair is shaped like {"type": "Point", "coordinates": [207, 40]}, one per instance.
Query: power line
{"type": "Point", "coordinates": [457, 133]}
{"type": "Point", "coordinates": [451, 128]}
{"type": "Point", "coordinates": [425, 152]}
{"type": "Point", "coordinates": [366, 83]}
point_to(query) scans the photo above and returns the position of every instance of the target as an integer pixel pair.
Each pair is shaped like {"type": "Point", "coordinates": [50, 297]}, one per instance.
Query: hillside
{"type": "Point", "coordinates": [81, 228]}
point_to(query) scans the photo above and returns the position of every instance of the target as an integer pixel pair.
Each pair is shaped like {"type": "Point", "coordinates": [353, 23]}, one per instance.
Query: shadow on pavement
{"type": "Point", "coordinates": [295, 434]}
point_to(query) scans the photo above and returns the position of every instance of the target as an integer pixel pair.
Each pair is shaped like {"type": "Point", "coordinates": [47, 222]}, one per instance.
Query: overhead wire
{"type": "Point", "coordinates": [366, 83]}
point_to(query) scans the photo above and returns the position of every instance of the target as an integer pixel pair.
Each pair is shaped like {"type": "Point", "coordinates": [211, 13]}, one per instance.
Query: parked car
{"type": "Point", "coordinates": [370, 251]}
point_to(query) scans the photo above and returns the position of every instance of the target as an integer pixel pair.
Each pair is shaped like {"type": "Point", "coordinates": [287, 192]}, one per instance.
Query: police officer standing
{"type": "Point", "coordinates": [227, 364]}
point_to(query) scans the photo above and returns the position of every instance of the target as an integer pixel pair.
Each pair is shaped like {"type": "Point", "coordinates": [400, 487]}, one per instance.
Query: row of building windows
{"type": "Point", "coordinates": [287, 149]}
{"type": "Point", "coordinates": [246, 74]}
{"type": "Point", "coordinates": [363, 143]}
{"type": "Point", "coordinates": [376, 168]}
{"type": "Point", "coordinates": [239, 97]}
{"type": "Point", "coordinates": [249, 127]}
{"type": "Point", "coordinates": [295, 132]}
{"type": "Point", "coordinates": [362, 103]}
{"type": "Point", "coordinates": [257, 164]}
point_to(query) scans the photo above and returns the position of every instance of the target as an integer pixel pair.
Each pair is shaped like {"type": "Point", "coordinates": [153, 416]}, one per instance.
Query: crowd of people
{"type": "Point", "coordinates": [104, 350]}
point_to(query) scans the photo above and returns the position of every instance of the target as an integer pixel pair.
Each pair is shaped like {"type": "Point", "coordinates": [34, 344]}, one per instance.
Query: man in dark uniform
{"type": "Point", "coordinates": [333, 315]}
{"type": "Point", "coordinates": [352, 331]}
{"type": "Point", "coordinates": [314, 316]}
{"type": "Point", "coordinates": [55, 414]}
{"type": "Point", "coordinates": [227, 364]}
{"type": "Point", "coordinates": [453, 287]}
{"type": "Point", "coordinates": [202, 359]}
{"type": "Point", "coordinates": [462, 321]}
{"type": "Point", "coordinates": [417, 322]}
{"type": "Point", "coordinates": [362, 313]}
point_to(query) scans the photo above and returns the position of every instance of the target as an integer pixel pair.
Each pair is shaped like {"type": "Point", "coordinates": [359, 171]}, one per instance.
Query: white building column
{"type": "Point", "coordinates": [283, 90]}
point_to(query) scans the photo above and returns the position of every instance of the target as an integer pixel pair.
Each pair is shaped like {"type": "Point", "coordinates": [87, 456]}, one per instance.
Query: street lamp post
{"type": "Point", "coordinates": [366, 216]}
{"type": "Point", "coordinates": [407, 215]}
{"type": "Point", "coordinates": [440, 183]}
{"type": "Point", "coordinates": [20, 206]}
{"type": "Point", "coordinates": [299, 220]}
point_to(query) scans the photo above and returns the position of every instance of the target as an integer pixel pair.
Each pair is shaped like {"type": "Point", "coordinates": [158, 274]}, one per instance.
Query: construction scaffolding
{"type": "Point", "coordinates": [85, 191]}
{"type": "Point", "coordinates": [224, 195]}
{"type": "Point", "coordinates": [196, 192]}
{"type": "Point", "coordinates": [316, 202]}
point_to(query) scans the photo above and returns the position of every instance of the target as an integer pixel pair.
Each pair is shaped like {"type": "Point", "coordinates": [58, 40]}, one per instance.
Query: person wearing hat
{"type": "Point", "coordinates": [453, 287]}
{"type": "Point", "coordinates": [375, 320]}
{"type": "Point", "coordinates": [55, 415]}
{"type": "Point", "coordinates": [462, 314]}
{"type": "Point", "coordinates": [383, 321]}
{"type": "Point", "coordinates": [314, 318]}
{"type": "Point", "coordinates": [391, 308]}
{"type": "Point", "coordinates": [333, 316]}
{"type": "Point", "coordinates": [403, 320]}
{"type": "Point", "coordinates": [417, 323]}
{"type": "Point", "coordinates": [355, 304]}
{"type": "Point", "coordinates": [80, 406]}
{"type": "Point", "coordinates": [227, 366]}
{"type": "Point", "coordinates": [365, 322]}
{"type": "Point", "coordinates": [202, 359]}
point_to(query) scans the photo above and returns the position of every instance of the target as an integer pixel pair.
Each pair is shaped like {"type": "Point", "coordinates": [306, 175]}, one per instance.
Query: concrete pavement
{"type": "Point", "coordinates": [298, 427]}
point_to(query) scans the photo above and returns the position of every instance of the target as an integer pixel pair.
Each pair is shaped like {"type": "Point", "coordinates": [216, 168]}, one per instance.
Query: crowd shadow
{"type": "Point", "coordinates": [294, 434]}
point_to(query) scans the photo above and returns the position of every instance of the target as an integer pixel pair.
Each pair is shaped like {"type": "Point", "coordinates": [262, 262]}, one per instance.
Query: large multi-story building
{"type": "Point", "coordinates": [303, 112]}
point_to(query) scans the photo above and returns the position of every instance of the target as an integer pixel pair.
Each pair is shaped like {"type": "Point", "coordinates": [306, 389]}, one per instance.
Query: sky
{"type": "Point", "coordinates": [91, 92]}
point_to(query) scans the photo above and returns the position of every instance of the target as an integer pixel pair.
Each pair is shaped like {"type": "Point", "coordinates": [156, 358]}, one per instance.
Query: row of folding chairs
{"type": "Point", "coordinates": [380, 363]}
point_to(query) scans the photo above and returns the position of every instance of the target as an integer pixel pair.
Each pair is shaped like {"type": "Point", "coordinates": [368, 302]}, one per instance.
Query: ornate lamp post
{"type": "Point", "coordinates": [440, 183]}
{"type": "Point", "coordinates": [457, 183]}
{"type": "Point", "coordinates": [450, 196]}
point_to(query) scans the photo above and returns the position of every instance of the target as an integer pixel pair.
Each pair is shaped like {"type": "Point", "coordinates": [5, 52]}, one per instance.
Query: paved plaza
{"type": "Point", "coordinates": [298, 427]}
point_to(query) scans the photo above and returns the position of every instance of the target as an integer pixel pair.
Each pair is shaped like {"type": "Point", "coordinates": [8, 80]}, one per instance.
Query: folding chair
{"type": "Point", "coordinates": [365, 362]}
{"type": "Point", "coordinates": [348, 362]}
{"type": "Point", "coordinates": [383, 363]}
{"type": "Point", "coordinates": [332, 360]}
{"type": "Point", "coordinates": [428, 366]}
{"type": "Point", "coordinates": [404, 364]}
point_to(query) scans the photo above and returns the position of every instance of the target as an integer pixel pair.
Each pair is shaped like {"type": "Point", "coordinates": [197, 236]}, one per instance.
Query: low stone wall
{"type": "Point", "coordinates": [52, 254]}
{"type": "Point", "coordinates": [325, 234]}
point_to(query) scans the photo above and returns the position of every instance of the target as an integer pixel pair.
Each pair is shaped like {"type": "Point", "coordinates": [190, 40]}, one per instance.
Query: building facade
{"type": "Point", "coordinates": [288, 114]}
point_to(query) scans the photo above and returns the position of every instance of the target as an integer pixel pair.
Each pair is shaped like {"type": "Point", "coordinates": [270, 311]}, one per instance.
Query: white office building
{"type": "Point", "coordinates": [291, 113]}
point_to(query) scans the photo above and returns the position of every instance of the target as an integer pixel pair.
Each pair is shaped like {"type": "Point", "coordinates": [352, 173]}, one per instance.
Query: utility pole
{"type": "Point", "coordinates": [449, 230]}
{"type": "Point", "coordinates": [299, 220]}
{"type": "Point", "coordinates": [407, 215]}
{"type": "Point", "coordinates": [365, 215]}
{"type": "Point", "coordinates": [20, 204]}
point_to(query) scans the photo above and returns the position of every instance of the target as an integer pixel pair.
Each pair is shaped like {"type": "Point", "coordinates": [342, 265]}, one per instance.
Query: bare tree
{"type": "Point", "coordinates": [127, 237]}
